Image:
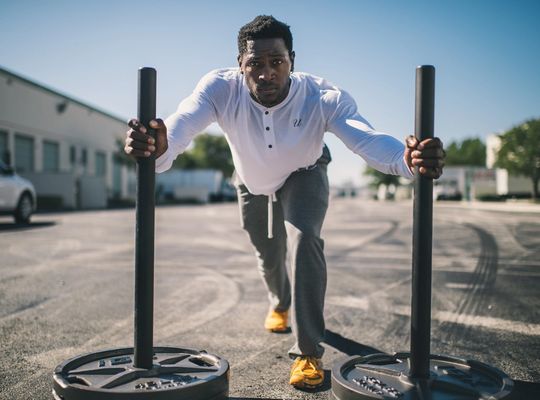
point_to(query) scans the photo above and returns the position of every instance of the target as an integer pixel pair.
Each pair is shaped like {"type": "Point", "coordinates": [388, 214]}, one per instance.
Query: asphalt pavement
{"type": "Point", "coordinates": [66, 288]}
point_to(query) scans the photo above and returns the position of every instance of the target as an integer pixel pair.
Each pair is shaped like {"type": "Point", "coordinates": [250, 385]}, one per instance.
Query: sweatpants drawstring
{"type": "Point", "coordinates": [271, 199]}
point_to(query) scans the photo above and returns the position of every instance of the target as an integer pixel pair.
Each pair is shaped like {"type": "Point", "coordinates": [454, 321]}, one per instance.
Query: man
{"type": "Point", "coordinates": [274, 121]}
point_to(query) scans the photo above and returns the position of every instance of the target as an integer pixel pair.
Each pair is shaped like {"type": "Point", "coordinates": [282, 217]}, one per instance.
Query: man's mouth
{"type": "Point", "coordinates": [266, 89]}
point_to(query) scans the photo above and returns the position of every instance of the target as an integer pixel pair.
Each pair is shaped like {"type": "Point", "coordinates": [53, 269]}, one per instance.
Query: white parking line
{"type": "Point", "coordinates": [506, 325]}
{"type": "Point", "coordinates": [523, 328]}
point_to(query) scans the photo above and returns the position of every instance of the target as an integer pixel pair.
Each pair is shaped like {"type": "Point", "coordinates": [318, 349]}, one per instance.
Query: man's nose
{"type": "Point", "coordinates": [267, 73]}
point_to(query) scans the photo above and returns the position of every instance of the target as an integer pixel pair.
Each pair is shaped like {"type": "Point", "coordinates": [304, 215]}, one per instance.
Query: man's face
{"type": "Point", "coordinates": [266, 65]}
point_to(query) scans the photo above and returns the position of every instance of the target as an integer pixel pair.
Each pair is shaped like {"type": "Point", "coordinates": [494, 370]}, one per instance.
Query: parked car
{"type": "Point", "coordinates": [446, 190]}
{"type": "Point", "coordinates": [17, 195]}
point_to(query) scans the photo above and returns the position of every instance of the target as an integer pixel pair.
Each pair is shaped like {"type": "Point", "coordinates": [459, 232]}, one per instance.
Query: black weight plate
{"type": "Point", "coordinates": [381, 376]}
{"type": "Point", "coordinates": [177, 373]}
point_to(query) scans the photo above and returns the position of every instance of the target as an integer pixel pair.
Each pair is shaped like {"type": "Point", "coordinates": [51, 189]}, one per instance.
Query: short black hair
{"type": "Point", "coordinates": [264, 27]}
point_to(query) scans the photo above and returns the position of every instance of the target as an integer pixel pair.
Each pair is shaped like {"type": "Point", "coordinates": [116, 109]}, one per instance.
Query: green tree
{"type": "Point", "coordinates": [469, 152]}
{"type": "Point", "coordinates": [379, 178]}
{"type": "Point", "coordinates": [520, 152]}
{"type": "Point", "coordinates": [209, 151]}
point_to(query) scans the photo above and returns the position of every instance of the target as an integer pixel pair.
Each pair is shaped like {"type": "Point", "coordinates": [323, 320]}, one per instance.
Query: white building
{"type": "Point", "coordinates": [506, 184]}
{"type": "Point", "coordinates": [65, 147]}
{"type": "Point", "coordinates": [198, 185]}
{"type": "Point", "coordinates": [470, 183]}
{"type": "Point", "coordinates": [465, 182]}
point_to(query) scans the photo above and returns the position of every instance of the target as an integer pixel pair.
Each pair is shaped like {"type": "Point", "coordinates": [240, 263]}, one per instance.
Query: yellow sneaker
{"type": "Point", "coordinates": [276, 321]}
{"type": "Point", "coordinates": [307, 372]}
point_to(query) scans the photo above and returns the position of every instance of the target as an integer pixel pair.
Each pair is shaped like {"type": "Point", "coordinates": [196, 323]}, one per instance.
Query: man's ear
{"type": "Point", "coordinates": [239, 58]}
{"type": "Point", "coordinates": [291, 56]}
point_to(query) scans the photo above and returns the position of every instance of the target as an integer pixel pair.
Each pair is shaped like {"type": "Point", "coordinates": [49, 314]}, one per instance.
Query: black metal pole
{"type": "Point", "coordinates": [422, 231]}
{"type": "Point", "coordinates": [144, 231]}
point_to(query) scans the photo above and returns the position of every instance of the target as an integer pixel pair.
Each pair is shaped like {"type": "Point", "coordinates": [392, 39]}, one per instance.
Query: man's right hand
{"type": "Point", "coordinates": [140, 144]}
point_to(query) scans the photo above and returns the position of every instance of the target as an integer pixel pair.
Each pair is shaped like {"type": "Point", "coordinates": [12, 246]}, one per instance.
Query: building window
{"type": "Point", "coordinates": [51, 156]}
{"type": "Point", "coordinates": [4, 151]}
{"type": "Point", "coordinates": [101, 164]}
{"type": "Point", "coordinates": [24, 153]}
{"type": "Point", "coordinates": [84, 158]}
{"type": "Point", "coordinates": [72, 156]}
{"type": "Point", "coordinates": [117, 178]}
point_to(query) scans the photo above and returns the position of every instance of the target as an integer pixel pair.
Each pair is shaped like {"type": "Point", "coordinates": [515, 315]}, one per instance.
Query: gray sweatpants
{"type": "Point", "coordinates": [298, 216]}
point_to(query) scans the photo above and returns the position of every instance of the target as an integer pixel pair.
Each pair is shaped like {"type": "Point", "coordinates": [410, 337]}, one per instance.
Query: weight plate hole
{"type": "Point", "coordinates": [200, 362]}
{"type": "Point", "coordinates": [77, 379]}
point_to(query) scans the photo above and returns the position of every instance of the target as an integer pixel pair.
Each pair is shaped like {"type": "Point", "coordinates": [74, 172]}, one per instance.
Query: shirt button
{"type": "Point", "coordinates": [269, 146]}
{"type": "Point", "coordinates": [267, 128]}
{"type": "Point", "coordinates": [266, 112]}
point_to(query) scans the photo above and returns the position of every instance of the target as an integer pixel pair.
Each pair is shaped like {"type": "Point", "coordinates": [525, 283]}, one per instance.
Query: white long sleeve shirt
{"type": "Point", "coordinates": [269, 143]}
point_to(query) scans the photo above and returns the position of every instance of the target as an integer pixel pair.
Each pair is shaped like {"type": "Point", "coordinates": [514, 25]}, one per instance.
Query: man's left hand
{"type": "Point", "coordinates": [428, 156]}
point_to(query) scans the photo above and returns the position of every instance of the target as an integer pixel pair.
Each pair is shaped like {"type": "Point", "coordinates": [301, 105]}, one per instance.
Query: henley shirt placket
{"type": "Point", "coordinates": [269, 134]}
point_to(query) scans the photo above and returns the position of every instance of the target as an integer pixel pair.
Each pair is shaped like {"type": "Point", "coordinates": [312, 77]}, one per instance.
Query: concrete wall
{"type": "Point", "coordinates": [509, 184]}
{"type": "Point", "coordinates": [61, 185]}
{"type": "Point", "coordinates": [92, 192]}
{"type": "Point", "coordinates": [29, 109]}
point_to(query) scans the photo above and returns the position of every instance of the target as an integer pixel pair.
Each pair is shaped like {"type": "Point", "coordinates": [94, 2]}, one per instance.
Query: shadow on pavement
{"type": "Point", "coordinates": [6, 227]}
{"type": "Point", "coordinates": [525, 390]}
{"type": "Point", "coordinates": [522, 390]}
{"type": "Point", "coordinates": [348, 346]}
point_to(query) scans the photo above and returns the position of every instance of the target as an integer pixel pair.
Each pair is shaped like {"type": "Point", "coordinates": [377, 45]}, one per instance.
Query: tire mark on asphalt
{"type": "Point", "coordinates": [24, 307]}
{"type": "Point", "coordinates": [58, 297]}
{"type": "Point", "coordinates": [481, 283]}
{"type": "Point", "coordinates": [528, 236]}
{"type": "Point", "coordinates": [398, 324]}
{"type": "Point", "coordinates": [11, 278]}
{"type": "Point", "coordinates": [46, 262]}
{"type": "Point", "coordinates": [343, 253]}
{"type": "Point", "coordinates": [167, 325]}
{"type": "Point", "coordinates": [332, 315]}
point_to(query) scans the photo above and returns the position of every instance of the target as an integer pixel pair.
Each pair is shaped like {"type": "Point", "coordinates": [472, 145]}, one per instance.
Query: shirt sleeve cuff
{"type": "Point", "coordinates": [407, 172]}
{"type": "Point", "coordinates": [164, 162]}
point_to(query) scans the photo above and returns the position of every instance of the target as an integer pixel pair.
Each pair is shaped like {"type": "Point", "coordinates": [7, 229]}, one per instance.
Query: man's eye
{"type": "Point", "coordinates": [278, 62]}
{"type": "Point", "coordinates": [253, 64]}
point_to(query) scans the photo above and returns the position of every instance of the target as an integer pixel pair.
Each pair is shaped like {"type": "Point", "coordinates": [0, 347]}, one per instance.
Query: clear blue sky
{"type": "Point", "coordinates": [487, 55]}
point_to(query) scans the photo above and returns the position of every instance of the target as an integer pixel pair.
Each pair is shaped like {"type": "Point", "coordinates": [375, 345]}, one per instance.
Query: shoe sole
{"type": "Point", "coordinates": [278, 330]}
{"type": "Point", "coordinates": [305, 385]}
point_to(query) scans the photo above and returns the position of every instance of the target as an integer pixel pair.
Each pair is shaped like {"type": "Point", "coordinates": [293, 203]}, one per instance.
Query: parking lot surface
{"type": "Point", "coordinates": [66, 288]}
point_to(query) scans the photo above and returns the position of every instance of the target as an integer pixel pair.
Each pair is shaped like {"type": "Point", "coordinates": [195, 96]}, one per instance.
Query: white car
{"type": "Point", "coordinates": [17, 195]}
